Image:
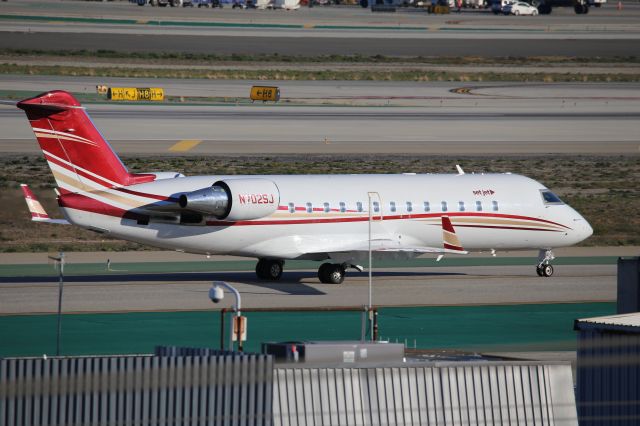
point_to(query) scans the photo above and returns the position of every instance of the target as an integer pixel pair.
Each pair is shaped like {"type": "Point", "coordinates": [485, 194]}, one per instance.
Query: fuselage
{"type": "Point", "coordinates": [278, 217]}
{"type": "Point", "coordinates": [319, 216]}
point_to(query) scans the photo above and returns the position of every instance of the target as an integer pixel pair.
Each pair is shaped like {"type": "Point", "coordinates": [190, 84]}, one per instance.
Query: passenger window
{"type": "Point", "coordinates": [359, 206]}
{"type": "Point", "coordinates": [292, 208]}
{"type": "Point", "coordinates": [427, 208]}
{"type": "Point", "coordinates": [495, 206]}
{"type": "Point", "coordinates": [444, 206]}
{"type": "Point", "coordinates": [343, 207]}
{"type": "Point", "coordinates": [392, 206]}
{"type": "Point", "coordinates": [376, 206]}
{"type": "Point", "coordinates": [479, 206]}
{"type": "Point", "coordinates": [309, 208]}
{"type": "Point", "coordinates": [461, 206]}
{"type": "Point", "coordinates": [327, 208]}
{"type": "Point", "coordinates": [409, 206]}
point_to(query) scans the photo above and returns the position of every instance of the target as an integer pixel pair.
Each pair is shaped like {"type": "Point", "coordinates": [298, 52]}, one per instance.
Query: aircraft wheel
{"type": "Point", "coordinates": [331, 273]}
{"type": "Point", "coordinates": [539, 271]}
{"type": "Point", "coordinates": [547, 270]}
{"type": "Point", "coordinates": [269, 269]}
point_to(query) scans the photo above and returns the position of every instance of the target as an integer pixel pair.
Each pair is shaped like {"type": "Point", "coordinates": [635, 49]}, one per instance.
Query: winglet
{"type": "Point", "coordinates": [38, 213]}
{"type": "Point", "coordinates": [449, 237]}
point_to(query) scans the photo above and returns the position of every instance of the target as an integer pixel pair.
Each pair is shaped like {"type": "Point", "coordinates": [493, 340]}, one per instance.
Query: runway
{"type": "Point", "coordinates": [354, 117]}
{"type": "Point", "coordinates": [296, 44]}
{"type": "Point", "coordinates": [118, 26]}
{"type": "Point", "coordinates": [474, 280]}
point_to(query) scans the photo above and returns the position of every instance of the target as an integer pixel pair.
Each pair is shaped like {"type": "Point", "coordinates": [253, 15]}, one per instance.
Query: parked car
{"type": "Point", "coordinates": [520, 8]}
{"type": "Point", "coordinates": [497, 6]}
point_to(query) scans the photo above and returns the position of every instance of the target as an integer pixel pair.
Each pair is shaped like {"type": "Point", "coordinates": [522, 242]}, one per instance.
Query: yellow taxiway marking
{"type": "Point", "coordinates": [185, 145]}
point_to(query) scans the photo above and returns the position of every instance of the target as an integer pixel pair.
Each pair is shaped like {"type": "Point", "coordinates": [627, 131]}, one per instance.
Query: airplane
{"type": "Point", "coordinates": [335, 219]}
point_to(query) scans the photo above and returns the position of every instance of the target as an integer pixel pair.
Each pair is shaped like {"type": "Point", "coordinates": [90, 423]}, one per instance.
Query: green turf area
{"type": "Point", "coordinates": [249, 265]}
{"type": "Point", "coordinates": [486, 328]}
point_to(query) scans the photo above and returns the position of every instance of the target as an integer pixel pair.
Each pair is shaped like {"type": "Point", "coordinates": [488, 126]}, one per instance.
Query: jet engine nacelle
{"type": "Point", "coordinates": [234, 199]}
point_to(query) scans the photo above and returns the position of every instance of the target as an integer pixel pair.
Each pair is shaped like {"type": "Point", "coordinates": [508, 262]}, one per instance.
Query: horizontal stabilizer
{"type": "Point", "coordinates": [38, 213]}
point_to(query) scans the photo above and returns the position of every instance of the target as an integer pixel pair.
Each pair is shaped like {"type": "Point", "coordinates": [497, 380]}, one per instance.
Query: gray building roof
{"type": "Point", "coordinates": [624, 322]}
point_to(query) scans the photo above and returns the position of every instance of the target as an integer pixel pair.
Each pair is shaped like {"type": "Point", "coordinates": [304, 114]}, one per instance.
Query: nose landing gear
{"type": "Point", "coordinates": [544, 268]}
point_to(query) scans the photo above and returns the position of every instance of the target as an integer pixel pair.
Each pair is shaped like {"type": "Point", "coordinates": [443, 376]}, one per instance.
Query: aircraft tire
{"type": "Point", "coordinates": [331, 273]}
{"type": "Point", "coordinates": [539, 271]}
{"type": "Point", "coordinates": [269, 269]}
{"type": "Point", "coordinates": [547, 270]}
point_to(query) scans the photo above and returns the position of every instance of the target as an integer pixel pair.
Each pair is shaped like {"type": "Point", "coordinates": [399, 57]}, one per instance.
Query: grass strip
{"type": "Point", "coordinates": [206, 58]}
{"type": "Point", "coordinates": [325, 75]}
{"type": "Point", "coordinates": [603, 189]}
{"type": "Point", "coordinates": [474, 328]}
{"type": "Point", "coordinates": [43, 270]}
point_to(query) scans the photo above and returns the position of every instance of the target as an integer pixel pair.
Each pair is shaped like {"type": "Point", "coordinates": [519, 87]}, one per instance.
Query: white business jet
{"type": "Point", "coordinates": [331, 218]}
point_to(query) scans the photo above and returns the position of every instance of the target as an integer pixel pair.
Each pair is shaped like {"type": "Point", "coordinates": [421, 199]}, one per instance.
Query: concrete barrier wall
{"type": "Point", "coordinates": [443, 394]}
{"type": "Point", "coordinates": [136, 390]}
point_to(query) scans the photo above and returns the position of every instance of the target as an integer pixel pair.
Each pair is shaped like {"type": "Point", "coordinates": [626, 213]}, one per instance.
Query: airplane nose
{"type": "Point", "coordinates": [588, 230]}
{"type": "Point", "coordinates": [583, 228]}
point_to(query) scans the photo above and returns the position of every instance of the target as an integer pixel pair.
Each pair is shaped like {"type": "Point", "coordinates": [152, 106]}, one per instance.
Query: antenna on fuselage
{"type": "Point", "coordinates": [459, 169]}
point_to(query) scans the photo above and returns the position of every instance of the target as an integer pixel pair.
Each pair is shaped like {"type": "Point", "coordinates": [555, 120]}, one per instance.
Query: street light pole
{"type": "Point", "coordinates": [60, 262]}
{"type": "Point", "coordinates": [237, 306]}
{"type": "Point", "coordinates": [370, 307]}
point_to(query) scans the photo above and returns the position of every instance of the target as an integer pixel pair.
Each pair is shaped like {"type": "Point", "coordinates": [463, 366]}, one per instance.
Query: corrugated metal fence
{"type": "Point", "coordinates": [455, 394]}
{"type": "Point", "coordinates": [608, 379]}
{"type": "Point", "coordinates": [136, 390]}
{"type": "Point", "coordinates": [246, 390]}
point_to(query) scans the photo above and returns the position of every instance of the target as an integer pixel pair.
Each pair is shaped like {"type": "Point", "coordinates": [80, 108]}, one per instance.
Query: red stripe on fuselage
{"type": "Point", "coordinates": [87, 204]}
{"type": "Point", "coordinates": [397, 217]}
{"type": "Point", "coordinates": [147, 195]}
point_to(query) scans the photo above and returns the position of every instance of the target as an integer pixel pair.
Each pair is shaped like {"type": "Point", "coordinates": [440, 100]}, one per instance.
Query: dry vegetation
{"type": "Point", "coordinates": [324, 75]}
{"type": "Point", "coordinates": [603, 189]}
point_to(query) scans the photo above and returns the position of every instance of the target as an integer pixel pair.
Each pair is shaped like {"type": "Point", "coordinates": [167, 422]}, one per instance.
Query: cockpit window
{"type": "Point", "coordinates": [550, 198]}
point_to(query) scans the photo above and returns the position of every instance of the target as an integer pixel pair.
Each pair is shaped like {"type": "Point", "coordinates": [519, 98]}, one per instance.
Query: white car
{"type": "Point", "coordinates": [520, 8]}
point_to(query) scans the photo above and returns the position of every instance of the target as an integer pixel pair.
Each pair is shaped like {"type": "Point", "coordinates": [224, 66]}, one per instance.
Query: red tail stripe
{"type": "Point", "coordinates": [78, 171]}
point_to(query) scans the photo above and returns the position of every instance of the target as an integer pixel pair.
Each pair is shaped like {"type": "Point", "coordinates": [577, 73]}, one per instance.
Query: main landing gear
{"type": "Point", "coordinates": [269, 269]}
{"type": "Point", "coordinates": [544, 268]}
{"type": "Point", "coordinates": [328, 273]}
{"type": "Point", "coordinates": [333, 273]}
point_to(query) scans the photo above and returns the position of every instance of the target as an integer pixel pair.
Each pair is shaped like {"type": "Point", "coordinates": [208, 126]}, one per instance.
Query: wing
{"type": "Point", "coordinates": [38, 213]}
{"type": "Point", "coordinates": [450, 244]}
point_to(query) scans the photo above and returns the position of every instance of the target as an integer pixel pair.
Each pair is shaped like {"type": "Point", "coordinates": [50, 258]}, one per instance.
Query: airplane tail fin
{"type": "Point", "coordinates": [79, 157]}
{"type": "Point", "coordinates": [449, 237]}
{"type": "Point", "coordinates": [38, 213]}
